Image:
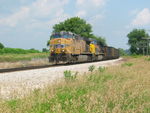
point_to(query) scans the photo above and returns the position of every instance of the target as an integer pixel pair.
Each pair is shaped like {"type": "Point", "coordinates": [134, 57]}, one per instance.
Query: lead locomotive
{"type": "Point", "coordinates": [68, 47]}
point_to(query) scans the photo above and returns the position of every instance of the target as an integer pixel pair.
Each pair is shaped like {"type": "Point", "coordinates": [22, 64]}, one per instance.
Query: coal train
{"type": "Point", "coordinates": [68, 47]}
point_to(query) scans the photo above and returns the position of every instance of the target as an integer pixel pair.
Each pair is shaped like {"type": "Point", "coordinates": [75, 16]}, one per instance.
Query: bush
{"type": "Point", "coordinates": [45, 50]}
{"type": "Point", "coordinates": [69, 75]}
{"type": "Point", "coordinates": [17, 51]}
{"type": "Point", "coordinates": [101, 69]}
{"type": "Point", "coordinates": [1, 46]}
{"type": "Point", "coordinates": [91, 68]}
{"type": "Point", "coordinates": [123, 52]}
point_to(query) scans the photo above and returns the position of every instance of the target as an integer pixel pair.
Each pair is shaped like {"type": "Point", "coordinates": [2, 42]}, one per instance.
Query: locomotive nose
{"type": "Point", "coordinates": [60, 48]}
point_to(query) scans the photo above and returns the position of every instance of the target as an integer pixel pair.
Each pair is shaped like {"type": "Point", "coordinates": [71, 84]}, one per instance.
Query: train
{"type": "Point", "coordinates": [68, 47]}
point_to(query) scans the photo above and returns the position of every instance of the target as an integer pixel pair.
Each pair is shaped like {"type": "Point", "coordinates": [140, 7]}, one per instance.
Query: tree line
{"type": "Point", "coordinates": [138, 40]}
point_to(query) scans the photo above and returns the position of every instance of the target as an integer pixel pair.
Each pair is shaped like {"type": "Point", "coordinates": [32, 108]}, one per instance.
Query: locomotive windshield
{"type": "Point", "coordinates": [62, 35]}
{"type": "Point", "coordinates": [66, 36]}
{"type": "Point", "coordinates": [56, 36]}
{"type": "Point", "coordinates": [59, 46]}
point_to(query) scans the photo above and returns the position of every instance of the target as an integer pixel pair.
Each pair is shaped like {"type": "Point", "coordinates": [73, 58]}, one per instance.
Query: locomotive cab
{"type": "Point", "coordinates": [60, 46]}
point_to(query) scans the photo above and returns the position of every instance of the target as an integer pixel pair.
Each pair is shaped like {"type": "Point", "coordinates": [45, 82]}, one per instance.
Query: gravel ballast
{"type": "Point", "coordinates": [18, 84]}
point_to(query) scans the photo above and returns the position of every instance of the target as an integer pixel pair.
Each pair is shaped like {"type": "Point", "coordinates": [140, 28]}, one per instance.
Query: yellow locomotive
{"type": "Point", "coordinates": [69, 47]}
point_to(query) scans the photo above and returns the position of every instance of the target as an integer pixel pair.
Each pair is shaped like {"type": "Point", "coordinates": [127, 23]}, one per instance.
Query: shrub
{"type": "Point", "coordinates": [101, 69]}
{"type": "Point", "coordinates": [69, 75]}
{"type": "Point", "coordinates": [91, 68]}
{"type": "Point", "coordinates": [1, 46]}
{"type": "Point", "coordinates": [44, 50]}
{"type": "Point", "coordinates": [17, 51]}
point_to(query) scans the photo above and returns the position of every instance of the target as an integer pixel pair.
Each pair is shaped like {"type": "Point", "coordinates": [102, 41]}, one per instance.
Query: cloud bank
{"type": "Point", "coordinates": [142, 18]}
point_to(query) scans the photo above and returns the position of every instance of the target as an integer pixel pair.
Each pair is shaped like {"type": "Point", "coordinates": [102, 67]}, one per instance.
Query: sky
{"type": "Point", "coordinates": [28, 23]}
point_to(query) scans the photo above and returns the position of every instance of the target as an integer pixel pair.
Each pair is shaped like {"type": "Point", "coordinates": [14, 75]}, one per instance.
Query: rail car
{"type": "Point", "coordinates": [68, 47]}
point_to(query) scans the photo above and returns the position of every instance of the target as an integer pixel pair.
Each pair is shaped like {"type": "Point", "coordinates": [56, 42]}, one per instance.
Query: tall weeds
{"type": "Point", "coordinates": [118, 89]}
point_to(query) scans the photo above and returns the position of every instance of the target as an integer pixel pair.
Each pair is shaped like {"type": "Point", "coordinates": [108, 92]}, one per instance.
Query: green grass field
{"type": "Point", "coordinates": [20, 57]}
{"type": "Point", "coordinates": [117, 89]}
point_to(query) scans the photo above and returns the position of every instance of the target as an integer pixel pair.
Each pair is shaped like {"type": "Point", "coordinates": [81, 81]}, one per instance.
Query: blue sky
{"type": "Point", "coordinates": [28, 23]}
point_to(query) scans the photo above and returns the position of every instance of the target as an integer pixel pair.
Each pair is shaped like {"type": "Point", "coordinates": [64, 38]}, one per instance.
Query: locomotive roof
{"type": "Point", "coordinates": [76, 36]}
{"type": "Point", "coordinates": [63, 32]}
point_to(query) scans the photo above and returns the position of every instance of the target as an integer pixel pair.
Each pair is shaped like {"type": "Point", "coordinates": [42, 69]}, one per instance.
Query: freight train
{"type": "Point", "coordinates": [68, 47]}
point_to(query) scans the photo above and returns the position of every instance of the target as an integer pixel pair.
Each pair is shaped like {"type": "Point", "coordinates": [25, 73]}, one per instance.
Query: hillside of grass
{"type": "Point", "coordinates": [118, 89]}
{"type": "Point", "coordinates": [17, 51]}
{"type": "Point", "coordinates": [11, 57]}
{"type": "Point", "coordinates": [18, 54]}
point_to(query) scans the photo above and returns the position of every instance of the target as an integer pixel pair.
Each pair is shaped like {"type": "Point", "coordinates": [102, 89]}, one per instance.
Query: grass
{"type": "Point", "coordinates": [17, 51]}
{"type": "Point", "coordinates": [147, 59]}
{"type": "Point", "coordinates": [127, 64]}
{"type": "Point", "coordinates": [20, 57]}
{"type": "Point", "coordinates": [69, 76]}
{"type": "Point", "coordinates": [117, 89]}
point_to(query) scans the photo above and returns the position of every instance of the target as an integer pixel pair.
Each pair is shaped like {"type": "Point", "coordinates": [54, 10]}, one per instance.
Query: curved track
{"type": "Point", "coordinates": [34, 67]}
{"type": "Point", "coordinates": [23, 68]}
{"type": "Point", "coordinates": [40, 67]}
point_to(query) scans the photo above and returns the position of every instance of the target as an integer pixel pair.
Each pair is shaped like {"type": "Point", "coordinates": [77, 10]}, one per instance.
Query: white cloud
{"type": "Point", "coordinates": [96, 3]}
{"type": "Point", "coordinates": [81, 13]}
{"type": "Point", "coordinates": [142, 18]}
{"type": "Point", "coordinates": [79, 2]}
{"type": "Point", "coordinates": [134, 12]}
{"type": "Point", "coordinates": [40, 9]}
{"type": "Point", "coordinates": [13, 19]}
{"type": "Point", "coordinates": [91, 10]}
{"type": "Point", "coordinates": [46, 13]}
{"type": "Point", "coordinates": [96, 19]}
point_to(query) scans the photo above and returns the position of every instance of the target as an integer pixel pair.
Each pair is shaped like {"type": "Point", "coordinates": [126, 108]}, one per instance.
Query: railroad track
{"type": "Point", "coordinates": [40, 67]}
{"type": "Point", "coordinates": [33, 67]}
{"type": "Point", "coordinates": [24, 68]}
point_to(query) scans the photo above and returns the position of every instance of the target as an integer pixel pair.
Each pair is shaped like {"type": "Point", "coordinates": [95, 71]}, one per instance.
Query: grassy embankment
{"type": "Point", "coordinates": [21, 57]}
{"type": "Point", "coordinates": [18, 54]}
{"type": "Point", "coordinates": [118, 89]}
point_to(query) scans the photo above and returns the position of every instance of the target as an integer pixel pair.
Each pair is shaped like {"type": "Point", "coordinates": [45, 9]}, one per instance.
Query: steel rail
{"type": "Point", "coordinates": [7, 70]}
{"type": "Point", "coordinates": [24, 68]}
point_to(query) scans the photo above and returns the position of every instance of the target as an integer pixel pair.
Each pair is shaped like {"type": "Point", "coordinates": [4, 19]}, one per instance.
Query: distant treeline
{"type": "Point", "coordinates": [6, 50]}
{"type": "Point", "coordinates": [17, 51]}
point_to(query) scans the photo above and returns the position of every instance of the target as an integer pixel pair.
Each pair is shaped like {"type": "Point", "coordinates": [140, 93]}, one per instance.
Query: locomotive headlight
{"type": "Point", "coordinates": [63, 50]}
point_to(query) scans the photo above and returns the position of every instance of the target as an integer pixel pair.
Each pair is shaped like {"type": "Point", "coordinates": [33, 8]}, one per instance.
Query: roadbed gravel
{"type": "Point", "coordinates": [19, 84]}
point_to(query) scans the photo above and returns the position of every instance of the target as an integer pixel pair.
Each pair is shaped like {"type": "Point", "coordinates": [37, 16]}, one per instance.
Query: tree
{"type": "Point", "coordinates": [135, 37]}
{"type": "Point", "coordinates": [101, 40]}
{"type": "Point", "coordinates": [75, 25]}
{"type": "Point", "coordinates": [48, 43]}
{"type": "Point", "coordinates": [78, 26]}
{"type": "Point", "coordinates": [44, 50]}
{"type": "Point", "coordinates": [122, 52]}
{"type": "Point", "coordinates": [1, 46]}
